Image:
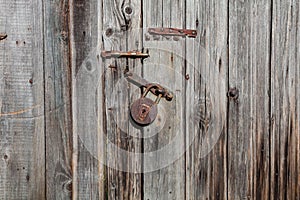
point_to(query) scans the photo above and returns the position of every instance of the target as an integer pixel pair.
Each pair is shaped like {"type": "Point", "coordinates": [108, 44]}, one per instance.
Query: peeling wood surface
{"type": "Point", "coordinates": [235, 110]}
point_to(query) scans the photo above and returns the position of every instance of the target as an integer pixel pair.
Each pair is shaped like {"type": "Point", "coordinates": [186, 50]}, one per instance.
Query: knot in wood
{"type": "Point", "coordinates": [233, 93]}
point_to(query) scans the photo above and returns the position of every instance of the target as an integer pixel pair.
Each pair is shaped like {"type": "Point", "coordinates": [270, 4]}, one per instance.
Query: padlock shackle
{"type": "Point", "coordinates": [145, 93]}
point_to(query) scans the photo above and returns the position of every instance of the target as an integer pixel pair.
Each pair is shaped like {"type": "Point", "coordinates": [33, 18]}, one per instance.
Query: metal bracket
{"type": "Point", "coordinates": [120, 54]}
{"type": "Point", "coordinates": [143, 83]}
{"type": "Point", "coordinates": [173, 32]}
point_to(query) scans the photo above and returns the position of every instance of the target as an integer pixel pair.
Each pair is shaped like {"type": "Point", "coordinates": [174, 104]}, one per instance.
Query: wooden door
{"type": "Point", "coordinates": [230, 132]}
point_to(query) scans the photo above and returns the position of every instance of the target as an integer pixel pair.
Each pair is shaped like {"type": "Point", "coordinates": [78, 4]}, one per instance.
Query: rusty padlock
{"type": "Point", "coordinates": [144, 110]}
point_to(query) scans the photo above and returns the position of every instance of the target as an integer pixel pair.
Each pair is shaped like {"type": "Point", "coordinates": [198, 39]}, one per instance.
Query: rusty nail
{"type": "Point", "coordinates": [3, 36]}
{"type": "Point", "coordinates": [112, 67]}
{"type": "Point", "coordinates": [147, 37]}
{"type": "Point", "coordinates": [30, 81]}
{"type": "Point", "coordinates": [197, 22]}
{"type": "Point", "coordinates": [175, 38]}
{"type": "Point", "coordinates": [187, 77]}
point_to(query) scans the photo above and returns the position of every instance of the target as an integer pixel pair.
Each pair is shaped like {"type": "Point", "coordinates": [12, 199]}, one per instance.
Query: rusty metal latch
{"type": "Point", "coordinates": [3, 36]}
{"type": "Point", "coordinates": [173, 32]}
{"type": "Point", "coordinates": [143, 83]}
{"type": "Point", "coordinates": [120, 54]}
{"type": "Point", "coordinates": [144, 110]}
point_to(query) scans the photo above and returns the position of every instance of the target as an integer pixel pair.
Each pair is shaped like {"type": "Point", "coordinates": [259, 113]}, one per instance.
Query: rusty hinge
{"type": "Point", "coordinates": [119, 54]}
{"type": "Point", "coordinates": [173, 32]}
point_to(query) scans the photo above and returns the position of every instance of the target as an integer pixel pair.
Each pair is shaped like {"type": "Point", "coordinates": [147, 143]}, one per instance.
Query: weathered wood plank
{"type": "Point", "coordinates": [132, 10]}
{"type": "Point", "coordinates": [22, 166]}
{"type": "Point", "coordinates": [86, 23]}
{"type": "Point", "coordinates": [285, 96]}
{"type": "Point", "coordinates": [58, 87]}
{"type": "Point", "coordinates": [165, 66]}
{"type": "Point", "coordinates": [207, 68]}
{"type": "Point", "coordinates": [249, 73]}
{"type": "Point", "coordinates": [121, 25]}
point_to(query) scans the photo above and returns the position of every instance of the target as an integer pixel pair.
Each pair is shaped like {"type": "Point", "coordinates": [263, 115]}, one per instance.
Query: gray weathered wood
{"type": "Point", "coordinates": [61, 104]}
{"type": "Point", "coordinates": [125, 36]}
{"type": "Point", "coordinates": [165, 66]}
{"type": "Point", "coordinates": [85, 18]}
{"type": "Point", "coordinates": [248, 114]}
{"type": "Point", "coordinates": [58, 122]}
{"type": "Point", "coordinates": [22, 162]}
{"type": "Point", "coordinates": [285, 98]}
{"type": "Point", "coordinates": [206, 98]}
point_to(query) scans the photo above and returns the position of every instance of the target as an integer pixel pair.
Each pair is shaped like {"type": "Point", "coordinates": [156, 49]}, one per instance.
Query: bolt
{"type": "Point", "coordinates": [187, 77]}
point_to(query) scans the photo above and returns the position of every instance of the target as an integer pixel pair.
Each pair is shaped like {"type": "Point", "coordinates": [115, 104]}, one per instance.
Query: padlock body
{"type": "Point", "coordinates": [143, 111]}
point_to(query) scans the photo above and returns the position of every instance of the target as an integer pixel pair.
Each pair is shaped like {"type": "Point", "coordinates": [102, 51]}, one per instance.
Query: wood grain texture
{"type": "Point", "coordinates": [121, 25]}
{"type": "Point", "coordinates": [207, 68]}
{"type": "Point", "coordinates": [22, 162]}
{"type": "Point", "coordinates": [85, 35]}
{"type": "Point", "coordinates": [61, 104]}
{"type": "Point", "coordinates": [285, 96]}
{"type": "Point", "coordinates": [58, 122]}
{"type": "Point", "coordinates": [248, 125]}
{"type": "Point", "coordinates": [165, 66]}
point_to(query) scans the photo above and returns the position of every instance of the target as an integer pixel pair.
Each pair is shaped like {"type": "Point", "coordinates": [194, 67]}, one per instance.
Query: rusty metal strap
{"type": "Point", "coordinates": [173, 32]}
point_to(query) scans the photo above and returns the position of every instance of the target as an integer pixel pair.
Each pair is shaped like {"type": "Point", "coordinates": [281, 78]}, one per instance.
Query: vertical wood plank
{"type": "Point", "coordinates": [165, 66]}
{"type": "Point", "coordinates": [207, 68]}
{"type": "Point", "coordinates": [22, 162]}
{"type": "Point", "coordinates": [86, 23]}
{"type": "Point", "coordinates": [93, 102]}
{"type": "Point", "coordinates": [132, 10]}
{"type": "Point", "coordinates": [249, 73]}
{"type": "Point", "coordinates": [285, 96]}
{"type": "Point", "coordinates": [121, 25]}
{"type": "Point", "coordinates": [58, 100]}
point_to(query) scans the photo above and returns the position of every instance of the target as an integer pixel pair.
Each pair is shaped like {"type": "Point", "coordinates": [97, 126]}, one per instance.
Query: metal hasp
{"type": "Point", "coordinates": [143, 83]}
{"type": "Point", "coordinates": [173, 32]}
{"type": "Point", "coordinates": [120, 54]}
{"type": "Point", "coordinates": [144, 110]}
